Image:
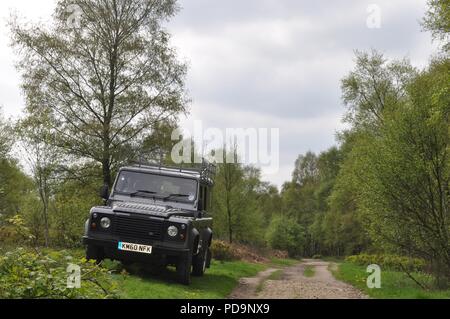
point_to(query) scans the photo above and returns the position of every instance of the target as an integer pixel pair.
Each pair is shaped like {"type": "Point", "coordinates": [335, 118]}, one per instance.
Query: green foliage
{"type": "Point", "coordinates": [437, 20]}
{"type": "Point", "coordinates": [374, 87]}
{"type": "Point", "coordinates": [283, 262]}
{"type": "Point", "coordinates": [103, 93]}
{"type": "Point", "coordinates": [5, 136]}
{"type": "Point", "coordinates": [237, 192]}
{"type": "Point", "coordinates": [32, 274]}
{"type": "Point", "coordinates": [306, 170]}
{"type": "Point", "coordinates": [307, 201]}
{"type": "Point", "coordinates": [394, 284]}
{"type": "Point", "coordinates": [70, 210]}
{"type": "Point", "coordinates": [309, 271]}
{"type": "Point", "coordinates": [15, 187]}
{"type": "Point", "coordinates": [275, 275]}
{"type": "Point", "coordinates": [286, 234]}
{"type": "Point", "coordinates": [218, 282]}
{"type": "Point", "coordinates": [404, 173]}
{"type": "Point", "coordinates": [389, 262]}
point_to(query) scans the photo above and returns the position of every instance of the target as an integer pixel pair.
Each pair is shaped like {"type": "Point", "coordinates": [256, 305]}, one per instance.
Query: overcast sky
{"type": "Point", "coordinates": [264, 63]}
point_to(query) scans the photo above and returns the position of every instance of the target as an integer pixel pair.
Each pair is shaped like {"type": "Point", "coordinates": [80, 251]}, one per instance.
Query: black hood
{"type": "Point", "coordinates": [154, 210]}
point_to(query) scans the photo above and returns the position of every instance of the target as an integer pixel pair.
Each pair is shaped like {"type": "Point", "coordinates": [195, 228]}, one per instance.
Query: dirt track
{"type": "Point", "coordinates": [294, 285]}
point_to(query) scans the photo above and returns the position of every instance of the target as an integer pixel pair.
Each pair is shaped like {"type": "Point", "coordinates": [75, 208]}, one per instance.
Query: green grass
{"type": "Point", "coordinates": [283, 262]}
{"type": "Point", "coordinates": [276, 275]}
{"type": "Point", "coordinates": [309, 271]}
{"type": "Point", "coordinates": [333, 259]}
{"type": "Point", "coordinates": [394, 284]}
{"type": "Point", "coordinates": [218, 282]}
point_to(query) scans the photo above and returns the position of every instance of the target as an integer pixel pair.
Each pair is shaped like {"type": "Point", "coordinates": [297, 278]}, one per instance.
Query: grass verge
{"type": "Point", "coordinates": [309, 271]}
{"type": "Point", "coordinates": [143, 283]}
{"type": "Point", "coordinates": [217, 283]}
{"type": "Point", "coordinates": [279, 262]}
{"type": "Point", "coordinates": [394, 284]}
{"type": "Point", "coordinates": [276, 275]}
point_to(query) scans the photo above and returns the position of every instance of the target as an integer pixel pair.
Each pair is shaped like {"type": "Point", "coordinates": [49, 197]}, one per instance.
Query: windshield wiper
{"type": "Point", "coordinates": [175, 195]}
{"type": "Point", "coordinates": [142, 192]}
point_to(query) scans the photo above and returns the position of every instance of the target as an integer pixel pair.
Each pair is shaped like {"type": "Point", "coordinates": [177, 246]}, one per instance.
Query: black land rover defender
{"type": "Point", "coordinates": [155, 215]}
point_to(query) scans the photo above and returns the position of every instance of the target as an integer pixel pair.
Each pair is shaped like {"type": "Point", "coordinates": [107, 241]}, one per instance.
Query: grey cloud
{"type": "Point", "coordinates": [269, 63]}
{"type": "Point", "coordinates": [253, 72]}
{"type": "Point", "coordinates": [283, 61]}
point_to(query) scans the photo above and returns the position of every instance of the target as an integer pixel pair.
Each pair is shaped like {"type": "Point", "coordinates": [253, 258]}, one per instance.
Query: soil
{"type": "Point", "coordinates": [294, 285]}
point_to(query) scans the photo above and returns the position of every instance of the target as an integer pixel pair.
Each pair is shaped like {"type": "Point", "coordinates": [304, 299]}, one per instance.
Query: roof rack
{"type": "Point", "coordinates": [205, 169]}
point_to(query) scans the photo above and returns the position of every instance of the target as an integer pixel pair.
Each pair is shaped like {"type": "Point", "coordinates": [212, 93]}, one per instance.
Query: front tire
{"type": "Point", "coordinates": [199, 263]}
{"type": "Point", "coordinates": [184, 266]}
{"type": "Point", "coordinates": [93, 253]}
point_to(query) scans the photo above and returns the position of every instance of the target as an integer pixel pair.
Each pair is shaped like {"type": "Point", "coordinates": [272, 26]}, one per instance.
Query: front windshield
{"type": "Point", "coordinates": [158, 186]}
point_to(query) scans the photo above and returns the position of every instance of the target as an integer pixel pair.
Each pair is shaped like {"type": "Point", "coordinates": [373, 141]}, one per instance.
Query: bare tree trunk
{"type": "Point", "coordinates": [46, 225]}
{"type": "Point", "coordinates": [43, 194]}
{"type": "Point", "coordinates": [107, 180]}
{"type": "Point", "coordinates": [230, 228]}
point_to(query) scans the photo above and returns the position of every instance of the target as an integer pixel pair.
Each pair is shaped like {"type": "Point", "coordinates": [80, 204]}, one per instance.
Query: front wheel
{"type": "Point", "coordinates": [200, 262]}
{"type": "Point", "coordinates": [93, 253]}
{"type": "Point", "coordinates": [184, 266]}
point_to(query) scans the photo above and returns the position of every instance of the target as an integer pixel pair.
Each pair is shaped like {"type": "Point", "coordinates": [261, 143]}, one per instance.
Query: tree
{"type": "Point", "coordinates": [374, 87]}
{"type": "Point", "coordinates": [237, 190]}
{"type": "Point", "coordinates": [109, 81]}
{"type": "Point", "coordinates": [286, 234]}
{"type": "Point", "coordinates": [406, 187]}
{"type": "Point", "coordinates": [69, 209]}
{"type": "Point", "coordinates": [14, 184]}
{"type": "Point", "coordinates": [304, 200]}
{"type": "Point", "coordinates": [5, 136]}
{"type": "Point", "coordinates": [305, 169]}
{"type": "Point", "coordinates": [43, 160]}
{"type": "Point", "coordinates": [437, 20]}
{"type": "Point", "coordinates": [395, 178]}
{"type": "Point", "coordinates": [227, 196]}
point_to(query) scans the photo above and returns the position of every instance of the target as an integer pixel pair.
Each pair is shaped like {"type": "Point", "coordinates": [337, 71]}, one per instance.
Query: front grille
{"type": "Point", "coordinates": [138, 229]}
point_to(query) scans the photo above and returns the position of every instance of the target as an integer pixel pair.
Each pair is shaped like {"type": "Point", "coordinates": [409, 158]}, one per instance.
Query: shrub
{"type": "Point", "coordinates": [32, 274]}
{"type": "Point", "coordinates": [285, 234]}
{"type": "Point", "coordinates": [221, 250]}
{"type": "Point", "coordinates": [389, 262]}
{"type": "Point", "coordinates": [317, 257]}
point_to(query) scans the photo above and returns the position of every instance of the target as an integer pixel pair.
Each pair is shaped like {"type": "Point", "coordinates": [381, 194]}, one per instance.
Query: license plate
{"type": "Point", "coordinates": [144, 249]}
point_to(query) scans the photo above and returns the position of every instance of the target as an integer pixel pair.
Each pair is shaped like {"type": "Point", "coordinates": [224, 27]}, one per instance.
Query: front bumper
{"type": "Point", "coordinates": [109, 248]}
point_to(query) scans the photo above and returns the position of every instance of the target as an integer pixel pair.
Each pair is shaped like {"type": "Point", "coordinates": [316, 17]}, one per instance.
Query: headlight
{"type": "Point", "coordinates": [105, 222]}
{"type": "Point", "coordinates": [172, 231]}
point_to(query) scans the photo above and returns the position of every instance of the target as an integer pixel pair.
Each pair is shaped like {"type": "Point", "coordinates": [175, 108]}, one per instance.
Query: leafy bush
{"type": "Point", "coordinates": [9, 236]}
{"type": "Point", "coordinates": [285, 234]}
{"type": "Point", "coordinates": [72, 204]}
{"type": "Point", "coordinates": [390, 262]}
{"type": "Point", "coordinates": [317, 257]}
{"type": "Point", "coordinates": [221, 250]}
{"type": "Point", "coordinates": [31, 274]}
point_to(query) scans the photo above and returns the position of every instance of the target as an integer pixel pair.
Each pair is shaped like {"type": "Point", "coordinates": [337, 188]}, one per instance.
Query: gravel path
{"type": "Point", "coordinates": [294, 285]}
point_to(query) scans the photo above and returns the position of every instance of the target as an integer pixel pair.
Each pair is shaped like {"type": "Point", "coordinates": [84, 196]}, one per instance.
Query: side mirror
{"type": "Point", "coordinates": [104, 192]}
